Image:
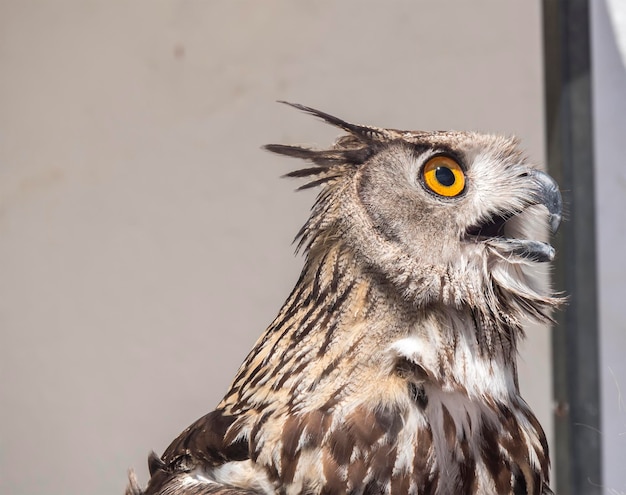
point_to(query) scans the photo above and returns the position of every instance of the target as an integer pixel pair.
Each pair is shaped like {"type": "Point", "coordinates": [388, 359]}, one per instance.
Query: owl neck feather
{"type": "Point", "coordinates": [342, 351]}
{"type": "Point", "coordinates": [342, 312]}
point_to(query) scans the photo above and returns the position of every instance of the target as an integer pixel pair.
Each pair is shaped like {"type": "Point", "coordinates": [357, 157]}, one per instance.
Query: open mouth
{"type": "Point", "coordinates": [498, 234]}
{"type": "Point", "coordinates": [493, 227]}
{"type": "Point", "coordinates": [493, 232]}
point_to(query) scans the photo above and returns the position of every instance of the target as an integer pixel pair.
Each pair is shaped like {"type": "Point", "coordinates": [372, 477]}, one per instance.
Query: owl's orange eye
{"type": "Point", "coordinates": [444, 176]}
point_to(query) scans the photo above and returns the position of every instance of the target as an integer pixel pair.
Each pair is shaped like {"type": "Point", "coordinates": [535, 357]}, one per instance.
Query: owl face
{"type": "Point", "coordinates": [440, 216]}
{"type": "Point", "coordinates": [446, 195]}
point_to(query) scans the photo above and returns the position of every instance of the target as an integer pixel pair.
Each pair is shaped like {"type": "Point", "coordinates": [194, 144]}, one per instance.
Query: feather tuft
{"type": "Point", "coordinates": [367, 134]}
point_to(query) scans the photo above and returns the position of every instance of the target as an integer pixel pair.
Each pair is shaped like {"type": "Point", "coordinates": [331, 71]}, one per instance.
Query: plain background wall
{"type": "Point", "coordinates": [145, 237]}
{"type": "Point", "coordinates": [609, 92]}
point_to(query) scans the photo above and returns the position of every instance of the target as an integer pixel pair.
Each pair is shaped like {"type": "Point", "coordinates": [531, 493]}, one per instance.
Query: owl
{"type": "Point", "coordinates": [391, 367]}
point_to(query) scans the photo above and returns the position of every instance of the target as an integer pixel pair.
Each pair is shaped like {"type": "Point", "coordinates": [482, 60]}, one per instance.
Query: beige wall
{"type": "Point", "coordinates": [145, 237]}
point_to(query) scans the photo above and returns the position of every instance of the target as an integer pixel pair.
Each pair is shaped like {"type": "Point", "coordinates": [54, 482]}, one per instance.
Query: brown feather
{"type": "Point", "coordinates": [391, 366]}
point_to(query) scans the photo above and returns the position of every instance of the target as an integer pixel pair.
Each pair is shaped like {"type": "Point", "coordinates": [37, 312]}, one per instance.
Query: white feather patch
{"type": "Point", "coordinates": [242, 474]}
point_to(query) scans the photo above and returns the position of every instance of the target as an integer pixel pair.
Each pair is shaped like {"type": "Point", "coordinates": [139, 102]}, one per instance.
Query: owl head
{"type": "Point", "coordinates": [443, 217]}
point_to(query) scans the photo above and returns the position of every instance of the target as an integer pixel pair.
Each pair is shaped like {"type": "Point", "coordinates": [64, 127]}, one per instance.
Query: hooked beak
{"type": "Point", "coordinates": [548, 195]}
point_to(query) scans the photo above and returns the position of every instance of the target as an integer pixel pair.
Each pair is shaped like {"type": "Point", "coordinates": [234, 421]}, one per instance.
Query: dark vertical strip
{"type": "Point", "coordinates": [577, 459]}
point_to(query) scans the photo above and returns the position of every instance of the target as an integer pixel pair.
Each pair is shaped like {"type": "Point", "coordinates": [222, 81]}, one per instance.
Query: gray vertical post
{"type": "Point", "coordinates": [577, 459]}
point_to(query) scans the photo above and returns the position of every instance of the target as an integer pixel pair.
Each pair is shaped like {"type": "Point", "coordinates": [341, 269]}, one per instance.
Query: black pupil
{"type": "Point", "coordinates": [445, 176]}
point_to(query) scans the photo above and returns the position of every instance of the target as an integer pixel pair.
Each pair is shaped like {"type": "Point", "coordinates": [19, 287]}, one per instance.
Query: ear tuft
{"type": "Point", "coordinates": [364, 133]}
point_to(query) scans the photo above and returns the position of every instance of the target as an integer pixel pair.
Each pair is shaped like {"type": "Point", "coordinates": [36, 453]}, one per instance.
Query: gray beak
{"type": "Point", "coordinates": [548, 194]}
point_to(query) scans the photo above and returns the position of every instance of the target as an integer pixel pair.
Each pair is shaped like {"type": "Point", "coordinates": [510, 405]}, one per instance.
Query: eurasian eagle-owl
{"type": "Point", "coordinates": [391, 367]}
